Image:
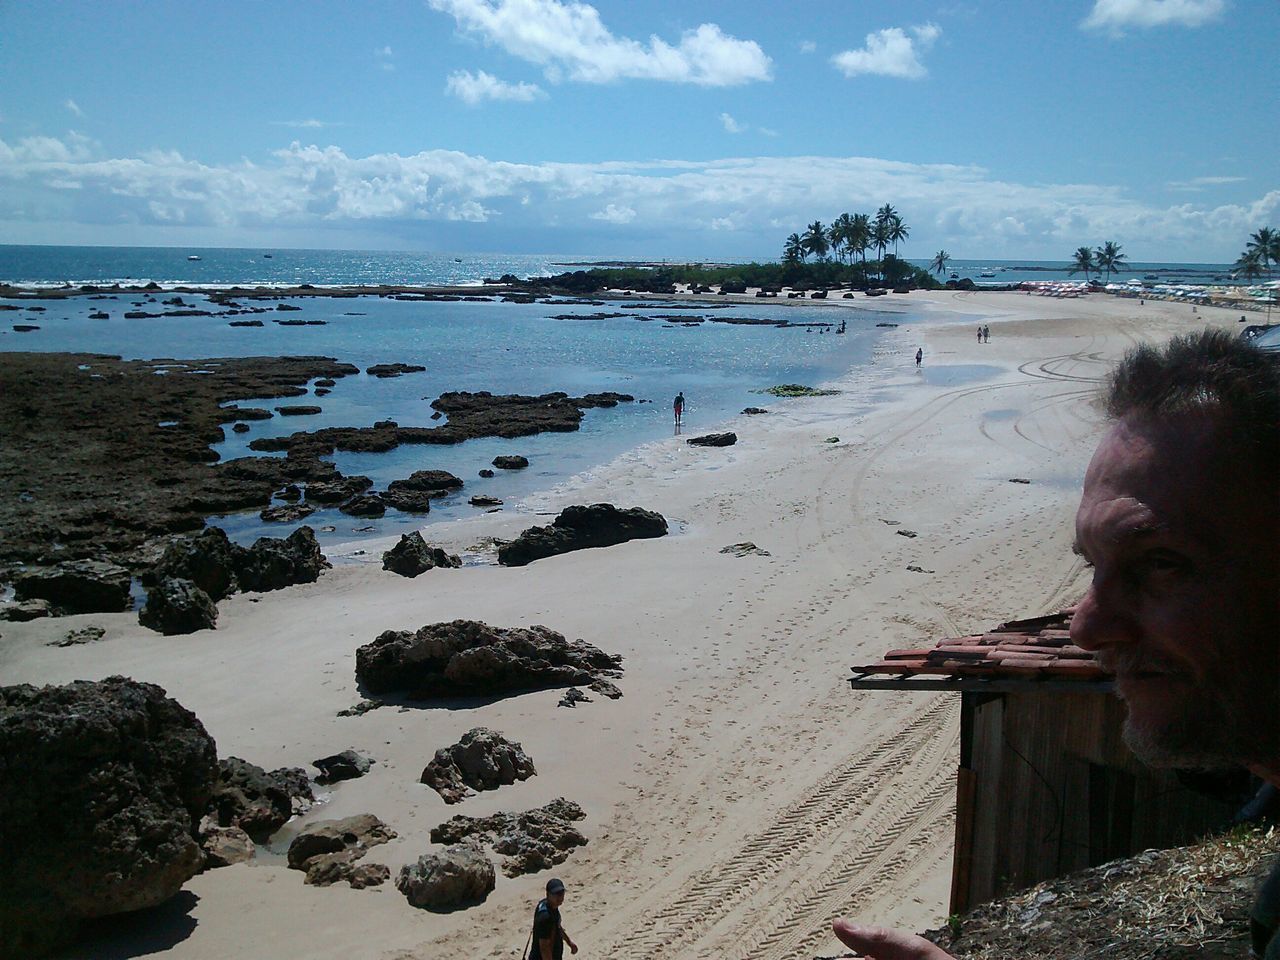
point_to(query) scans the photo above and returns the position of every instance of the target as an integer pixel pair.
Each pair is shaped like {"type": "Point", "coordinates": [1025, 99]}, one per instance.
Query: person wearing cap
{"type": "Point", "coordinates": [549, 937]}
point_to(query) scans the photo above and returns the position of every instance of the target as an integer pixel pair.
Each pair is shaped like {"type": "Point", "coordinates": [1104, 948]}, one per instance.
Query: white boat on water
{"type": "Point", "coordinates": [987, 273]}
{"type": "Point", "coordinates": [193, 257]}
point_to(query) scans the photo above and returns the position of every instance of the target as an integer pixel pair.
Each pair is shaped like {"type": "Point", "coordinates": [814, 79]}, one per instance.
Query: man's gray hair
{"type": "Point", "coordinates": [1212, 371]}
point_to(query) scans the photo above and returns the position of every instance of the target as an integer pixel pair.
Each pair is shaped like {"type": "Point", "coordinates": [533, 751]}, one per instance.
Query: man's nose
{"type": "Point", "coordinates": [1102, 619]}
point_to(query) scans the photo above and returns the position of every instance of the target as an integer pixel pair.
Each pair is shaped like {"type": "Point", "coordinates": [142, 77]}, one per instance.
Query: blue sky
{"type": "Point", "coordinates": [707, 129]}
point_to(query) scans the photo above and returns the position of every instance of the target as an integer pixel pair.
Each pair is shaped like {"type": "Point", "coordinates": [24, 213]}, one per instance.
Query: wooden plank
{"type": "Point", "coordinates": [962, 862]}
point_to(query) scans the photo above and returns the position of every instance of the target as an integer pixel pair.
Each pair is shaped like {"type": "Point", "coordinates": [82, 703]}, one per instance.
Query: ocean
{"type": "Point", "coordinates": [499, 347]}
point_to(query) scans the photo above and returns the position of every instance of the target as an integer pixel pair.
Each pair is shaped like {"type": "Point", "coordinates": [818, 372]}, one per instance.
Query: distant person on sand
{"type": "Point", "coordinates": [986, 333]}
{"type": "Point", "coordinates": [678, 405]}
{"type": "Point", "coordinates": [548, 936]}
{"type": "Point", "coordinates": [979, 333]}
{"type": "Point", "coordinates": [919, 355]}
{"type": "Point", "coordinates": [1178, 520]}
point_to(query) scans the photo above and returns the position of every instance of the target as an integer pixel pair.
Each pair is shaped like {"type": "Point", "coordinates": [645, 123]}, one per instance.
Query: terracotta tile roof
{"type": "Point", "coordinates": [1039, 648]}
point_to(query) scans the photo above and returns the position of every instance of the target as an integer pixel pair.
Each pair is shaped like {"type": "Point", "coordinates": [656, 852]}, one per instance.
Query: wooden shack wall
{"type": "Point", "coordinates": [1051, 788]}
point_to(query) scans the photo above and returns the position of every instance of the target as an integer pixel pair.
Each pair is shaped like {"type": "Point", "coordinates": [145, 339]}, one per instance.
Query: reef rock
{"type": "Point", "coordinates": [255, 801]}
{"type": "Point", "coordinates": [413, 556]}
{"type": "Point", "coordinates": [26, 610]}
{"type": "Point", "coordinates": [511, 462]}
{"type": "Point", "coordinates": [467, 657]}
{"type": "Point", "coordinates": [176, 607]}
{"type": "Point", "coordinates": [347, 765]}
{"type": "Point", "coordinates": [224, 846]}
{"type": "Point", "coordinates": [579, 527]}
{"type": "Point", "coordinates": [458, 876]}
{"type": "Point", "coordinates": [272, 563]}
{"type": "Point", "coordinates": [437, 483]}
{"type": "Point", "coordinates": [328, 849]}
{"type": "Point", "coordinates": [335, 491]}
{"type": "Point", "coordinates": [209, 560]}
{"type": "Point", "coordinates": [287, 512]}
{"type": "Point", "coordinates": [713, 440]}
{"type": "Point", "coordinates": [101, 789]}
{"type": "Point", "coordinates": [530, 841]}
{"type": "Point", "coordinates": [385, 370]}
{"type": "Point", "coordinates": [364, 505]}
{"type": "Point", "coordinates": [78, 586]}
{"type": "Point", "coordinates": [481, 760]}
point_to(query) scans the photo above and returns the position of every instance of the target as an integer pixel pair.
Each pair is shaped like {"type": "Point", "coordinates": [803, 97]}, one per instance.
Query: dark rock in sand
{"type": "Point", "coordinates": [287, 512]}
{"type": "Point", "coordinates": [273, 564]}
{"type": "Point", "coordinates": [78, 586]}
{"type": "Point", "coordinates": [74, 638]}
{"type": "Point", "coordinates": [328, 850]}
{"type": "Point", "coordinates": [26, 610]}
{"type": "Point", "coordinates": [208, 560]}
{"type": "Point", "coordinates": [572, 697]}
{"type": "Point", "coordinates": [456, 877]}
{"type": "Point", "coordinates": [754, 411]}
{"type": "Point", "coordinates": [530, 841]}
{"type": "Point", "coordinates": [466, 657]}
{"type": "Point", "coordinates": [364, 505]}
{"type": "Point", "coordinates": [385, 370]}
{"type": "Point", "coordinates": [481, 760]}
{"type": "Point", "coordinates": [347, 765]}
{"type": "Point", "coordinates": [413, 556]}
{"type": "Point", "coordinates": [515, 462]}
{"type": "Point", "coordinates": [176, 607]}
{"type": "Point", "coordinates": [298, 410]}
{"type": "Point", "coordinates": [483, 501]}
{"type": "Point", "coordinates": [580, 527]}
{"type": "Point", "coordinates": [101, 789]}
{"type": "Point", "coordinates": [486, 473]}
{"type": "Point", "coordinates": [744, 549]}
{"type": "Point", "coordinates": [713, 440]}
{"type": "Point", "coordinates": [255, 801]}
{"type": "Point", "coordinates": [225, 846]}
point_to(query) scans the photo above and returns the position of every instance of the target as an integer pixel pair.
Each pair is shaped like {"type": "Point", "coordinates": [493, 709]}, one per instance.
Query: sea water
{"type": "Point", "coordinates": [499, 347]}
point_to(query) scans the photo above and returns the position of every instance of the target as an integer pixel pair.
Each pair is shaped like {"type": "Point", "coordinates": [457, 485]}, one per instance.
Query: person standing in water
{"type": "Point", "coordinates": [678, 406]}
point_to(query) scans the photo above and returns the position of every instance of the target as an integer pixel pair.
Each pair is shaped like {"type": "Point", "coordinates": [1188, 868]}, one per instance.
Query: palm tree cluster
{"type": "Point", "coordinates": [1261, 252]}
{"type": "Point", "coordinates": [848, 237]}
{"type": "Point", "coordinates": [1106, 258]}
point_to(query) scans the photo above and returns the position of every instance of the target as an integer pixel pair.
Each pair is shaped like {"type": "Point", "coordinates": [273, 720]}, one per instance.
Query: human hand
{"type": "Point", "coordinates": [573, 948]}
{"type": "Point", "coordinates": [877, 943]}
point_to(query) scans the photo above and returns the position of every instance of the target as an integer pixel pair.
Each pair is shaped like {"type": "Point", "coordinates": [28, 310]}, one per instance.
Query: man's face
{"type": "Point", "coordinates": [1185, 602]}
{"type": "Point", "coordinates": [556, 899]}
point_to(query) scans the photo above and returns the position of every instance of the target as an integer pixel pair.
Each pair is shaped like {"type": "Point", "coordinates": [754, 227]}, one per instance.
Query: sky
{"type": "Point", "coordinates": [706, 129]}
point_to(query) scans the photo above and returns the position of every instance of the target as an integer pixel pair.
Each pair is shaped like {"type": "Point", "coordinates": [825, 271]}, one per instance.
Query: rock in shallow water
{"type": "Point", "coordinates": [255, 801]}
{"type": "Point", "coordinates": [101, 789]}
{"type": "Point", "coordinates": [78, 586]}
{"type": "Point", "coordinates": [413, 556]}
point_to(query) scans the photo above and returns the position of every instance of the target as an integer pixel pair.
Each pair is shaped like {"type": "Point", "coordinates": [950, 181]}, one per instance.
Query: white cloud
{"type": "Point", "coordinates": [615, 214]}
{"type": "Point", "coordinates": [569, 38]}
{"type": "Point", "coordinates": [1198, 184]}
{"type": "Point", "coordinates": [890, 53]}
{"type": "Point", "coordinates": [73, 107]}
{"type": "Point", "coordinates": [1115, 15]}
{"type": "Point", "coordinates": [731, 125]}
{"type": "Point", "coordinates": [474, 88]}
{"type": "Point", "coordinates": [310, 124]}
{"type": "Point", "coordinates": [808, 46]}
{"type": "Point", "coordinates": [385, 58]}
{"type": "Point", "coordinates": [750, 202]}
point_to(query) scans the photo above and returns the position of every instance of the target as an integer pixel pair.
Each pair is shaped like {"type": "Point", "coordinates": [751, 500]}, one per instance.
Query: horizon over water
{"type": "Point", "coordinates": [499, 347]}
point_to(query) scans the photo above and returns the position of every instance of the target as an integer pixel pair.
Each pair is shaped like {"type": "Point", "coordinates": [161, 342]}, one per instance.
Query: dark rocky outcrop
{"type": "Point", "coordinates": [328, 849]}
{"type": "Point", "coordinates": [287, 513]}
{"type": "Point", "coordinates": [713, 440]}
{"type": "Point", "coordinates": [347, 765]}
{"type": "Point", "coordinates": [481, 760]}
{"type": "Point", "coordinates": [224, 846]}
{"type": "Point", "coordinates": [413, 556]}
{"type": "Point", "coordinates": [480, 500]}
{"type": "Point", "coordinates": [530, 841]}
{"type": "Point", "coordinates": [209, 560]}
{"type": "Point", "coordinates": [580, 527]}
{"type": "Point", "coordinates": [458, 876]}
{"type": "Point", "coordinates": [385, 370]}
{"type": "Point", "coordinates": [177, 606]}
{"type": "Point", "coordinates": [102, 786]}
{"type": "Point", "coordinates": [486, 473]}
{"type": "Point", "coordinates": [364, 505]}
{"type": "Point", "coordinates": [298, 410]}
{"type": "Point", "coordinates": [255, 801]}
{"type": "Point", "coordinates": [409, 501]}
{"type": "Point", "coordinates": [754, 411]}
{"type": "Point", "coordinates": [514, 462]}
{"type": "Point", "coordinates": [335, 491]}
{"type": "Point", "coordinates": [25, 610]}
{"type": "Point", "coordinates": [273, 564]}
{"type": "Point", "coordinates": [433, 483]}
{"type": "Point", "coordinates": [78, 586]}
{"type": "Point", "coordinates": [468, 657]}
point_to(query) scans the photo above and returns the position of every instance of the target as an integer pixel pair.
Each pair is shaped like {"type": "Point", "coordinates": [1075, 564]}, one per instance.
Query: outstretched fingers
{"type": "Point", "coordinates": [877, 943]}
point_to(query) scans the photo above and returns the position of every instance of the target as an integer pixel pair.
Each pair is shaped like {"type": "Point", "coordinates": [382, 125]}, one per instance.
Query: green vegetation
{"type": "Point", "coordinates": [797, 390]}
{"type": "Point", "coordinates": [1260, 254]}
{"type": "Point", "coordinates": [940, 261]}
{"type": "Point", "coordinates": [1105, 259]}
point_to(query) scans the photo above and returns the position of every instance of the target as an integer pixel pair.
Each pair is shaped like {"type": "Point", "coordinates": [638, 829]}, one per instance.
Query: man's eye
{"type": "Point", "coordinates": [1160, 562]}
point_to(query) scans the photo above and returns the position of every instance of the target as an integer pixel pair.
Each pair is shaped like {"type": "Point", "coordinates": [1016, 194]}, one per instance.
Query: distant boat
{"type": "Point", "coordinates": [987, 273]}
{"type": "Point", "coordinates": [266, 256]}
{"type": "Point", "coordinates": [193, 257]}
{"type": "Point", "coordinates": [954, 276]}
{"type": "Point", "coordinates": [457, 259]}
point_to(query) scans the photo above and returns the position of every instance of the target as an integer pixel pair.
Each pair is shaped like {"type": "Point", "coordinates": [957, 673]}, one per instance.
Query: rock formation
{"type": "Point", "coordinates": [249, 798]}
{"type": "Point", "coordinates": [513, 462]}
{"type": "Point", "coordinates": [385, 370]}
{"type": "Point", "coordinates": [78, 586]}
{"type": "Point", "coordinates": [458, 876]}
{"type": "Point", "coordinates": [413, 556]}
{"type": "Point", "coordinates": [328, 850]}
{"type": "Point", "coordinates": [713, 440]}
{"type": "Point", "coordinates": [347, 765]}
{"type": "Point", "coordinates": [176, 606]}
{"type": "Point", "coordinates": [468, 657]}
{"type": "Point", "coordinates": [481, 760]}
{"type": "Point", "coordinates": [220, 568]}
{"type": "Point", "coordinates": [101, 789]}
{"type": "Point", "coordinates": [579, 527]}
{"type": "Point", "coordinates": [530, 841]}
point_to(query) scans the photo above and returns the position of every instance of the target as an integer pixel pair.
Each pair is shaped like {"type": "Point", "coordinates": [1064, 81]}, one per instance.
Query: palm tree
{"type": "Point", "coordinates": [1109, 258]}
{"type": "Point", "coordinates": [1083, 260]}
{"type": "Point", "coordinates": [841, 234]}
{"type": "Point", "coordinates": [793, 250]}
{"type": "Point", "coordinates": [940, 261]}
{"type": "Point", "coordinates": [880, 236]}
{"type": "Point", "coordinates": [898, 232]}
{"type": "Point", "coordinates": [1266, 244]}
{"type": "Point", "coordinates": [815, 240]}
{"type": "Point", "coordinates": [860, 237]}
{"type": "Point", "coordinates": [1250, 265]}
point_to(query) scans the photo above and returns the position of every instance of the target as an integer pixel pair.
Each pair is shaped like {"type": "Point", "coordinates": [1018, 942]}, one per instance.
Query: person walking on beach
{"type": "Point", "coordinates": [549, 936]}
{"type": "Point", "coordinates": [986, 333]}
{"type": "Point", "coordinates": [1178, 520]}
{"type": "Point", "coordinates": [979, 333]}
{"type": "Point", "coordinates": [919, 355]}
{"type": "Point", "coordinates": [679, 405]}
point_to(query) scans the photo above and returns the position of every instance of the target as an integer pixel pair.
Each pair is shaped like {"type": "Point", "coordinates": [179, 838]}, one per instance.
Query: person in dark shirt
{"type": "Point", "coordinates": [1179, 520]}
{"type": "Point", "coordinates": [549, 937]}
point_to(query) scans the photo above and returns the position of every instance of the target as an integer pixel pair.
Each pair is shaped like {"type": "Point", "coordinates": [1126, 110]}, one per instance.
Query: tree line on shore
{"type": "Point", "coordinates": [840, 251]}
{"type": "Point", "coordinates": [1260, 254]}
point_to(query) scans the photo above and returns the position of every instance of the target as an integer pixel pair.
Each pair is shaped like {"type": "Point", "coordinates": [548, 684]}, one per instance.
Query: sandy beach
{"type": "Point", "coordinates": [739, 795]}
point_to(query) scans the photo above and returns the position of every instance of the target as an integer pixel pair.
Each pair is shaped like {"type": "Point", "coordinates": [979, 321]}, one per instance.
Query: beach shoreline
{"type": "Point", "coordinates": [739, 794]}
